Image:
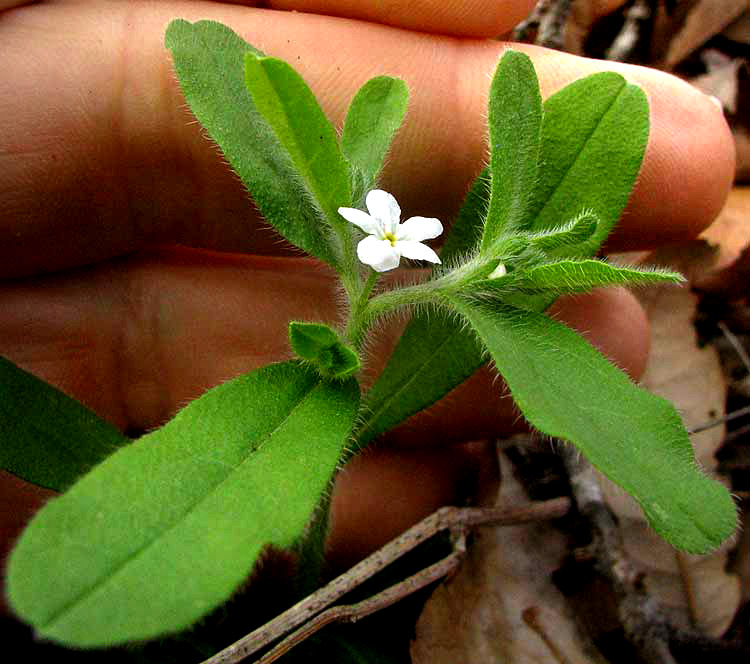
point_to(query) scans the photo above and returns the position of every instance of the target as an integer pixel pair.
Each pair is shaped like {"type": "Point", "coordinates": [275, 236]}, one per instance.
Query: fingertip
{"type": "Point", "coordinates": [465, 18]}
{"type": "Point", "coordinates": [688, 169]}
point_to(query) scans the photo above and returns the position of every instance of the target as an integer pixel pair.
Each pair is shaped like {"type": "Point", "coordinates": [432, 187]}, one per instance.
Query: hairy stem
{"type": "Point", "coordinates": [356, 326]}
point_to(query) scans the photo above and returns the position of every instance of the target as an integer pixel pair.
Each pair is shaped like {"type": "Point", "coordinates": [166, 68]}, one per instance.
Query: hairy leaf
{"type": "Point", "coordinates": [576, 276]}
{"type": "Point", "coordinates": [585, 275]}
{"type": "Point", "coordinates": [594, 136]}
{"type": "Point", "coordinates": [209, 60]}
{"type": "Point", "coordinates": [375, 115]}
{"type": "Point", "coordinates": [291, 110]}
{"type": "Point", "coordinates": [568, 236]}
{"type": "Point", "coordinates": [320, 345]}
{"type": "Point", "coordinates": [434, 355]}
{"type": "Point", "coordinates": [585, 164]}
{"type": "Point", "coordinates": [45, 436]}
{"type": "Point", "coordinates": [166, 529]}
{"type": "Point", "coordinates": [566, 389]}
{"type": "Point", "coordinates": [466, 231]}
{"type": "Point", "coordinates": [515, 118]}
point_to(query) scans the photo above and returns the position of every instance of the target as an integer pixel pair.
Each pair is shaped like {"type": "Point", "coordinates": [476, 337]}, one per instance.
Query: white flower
{"type": "Point", "coordinates": [388, 239]}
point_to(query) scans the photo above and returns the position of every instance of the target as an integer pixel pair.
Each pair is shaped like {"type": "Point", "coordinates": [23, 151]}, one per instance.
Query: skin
{"type": "Point", "coordinates": [103, 172]}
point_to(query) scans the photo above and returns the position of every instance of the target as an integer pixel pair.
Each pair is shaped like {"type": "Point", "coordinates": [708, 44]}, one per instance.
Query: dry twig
{"type": "Point", "coordinates": [642, 619]}
{"type": "Point", "coordinates": [455, 519]}
{"type": "Point", "coordinates": [645, 622]}
{"type": "Point", "coordinates": [625, 43]}
{"type": "Point", "coordinates": [382, 600]}
{"type": "Point", "coordinates": [548, 19]}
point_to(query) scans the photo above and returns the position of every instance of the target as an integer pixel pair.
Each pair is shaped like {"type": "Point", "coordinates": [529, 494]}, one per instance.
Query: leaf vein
{"type": "Point", "coordinates": [82, 596]}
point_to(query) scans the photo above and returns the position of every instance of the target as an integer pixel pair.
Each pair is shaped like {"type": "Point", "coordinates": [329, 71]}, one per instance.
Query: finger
{"type": "Point", "coordinates": [11, 4]}
{"type": "Point", "coordinates": [138, 338]}
{"type": "Point", "coordinates": [468, 18]}
{"type": "Point", "coordinates": [382, 492]}
{"type": "Point", "coordinates": [102, 158]}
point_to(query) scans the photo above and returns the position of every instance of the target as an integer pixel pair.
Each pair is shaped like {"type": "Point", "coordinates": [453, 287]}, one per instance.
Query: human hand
{"type": "Point", "coordinates": [101, 168]}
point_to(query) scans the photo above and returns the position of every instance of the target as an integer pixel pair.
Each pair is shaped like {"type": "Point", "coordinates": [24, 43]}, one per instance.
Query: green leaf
{"type": "Point", "coordinates": [167, 528]}
{"type": "Point", "coordinates": [320, 345]}
{"type": "Point", "coordinates": [515, 118]}
{"type": "Point", "coordinates": [434, 355]}
{"type": "Point", "coordinates": [576, 276]}
{"type": "Point", "coordinates": [344, 362]}
{"type": "Point", "coordinates": [46, 437]}
{"type": "Point", "coordinates": [566, 389]}
{"type": "Point", "coordinates": [309, 339]}
{"type": "Point", "coordinates": [375, 115]}
{"type": "Point", "coordinates": [581, 276]}
{"type": "Point", "coordinates": [209, 60]}
{"type": "Point", "coordinates": [568, 236]}
{"type": "Point", "coordinates": [290, 108]}
{"type": "Point", "coordinates": [466, 231]}
{"type": "Point", "coordinates": [594, 136]}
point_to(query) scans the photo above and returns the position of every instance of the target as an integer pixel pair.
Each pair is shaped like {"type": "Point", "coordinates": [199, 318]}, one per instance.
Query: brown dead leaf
{"type": "Point", "coordinates": [730, 235]}
{"type": "Point", "coordinates": [730, 232]}
{"type": "Point", "coordinates": [477, 617]}
{"type": "Point", "coordinates": [696, 589]}
{"type": "Point", "coordinates": [721, 80]}
{"type": "Point", "coordinates": [583, 15]}
{"type": "Point", "coordinates": [728, 79]}
{"type": "Point", "coordinates": [739, 31]}
{"type": "Point", "coordinates": [688, 376]}
{"type": "Point", "coordinates": [706, 19]}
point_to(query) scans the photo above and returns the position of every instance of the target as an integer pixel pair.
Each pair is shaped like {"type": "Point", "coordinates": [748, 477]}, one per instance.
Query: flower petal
{"type": "Point", "coordinates": [417, 251]}
{"type": "Point", "coordinates": [419, 228]}
{"type": "Point", "coordinates": [384, 207]}
{"type": "Point", "coordinates": [379, 254]}
{"type": "Point", "coordinates": [361, 219]}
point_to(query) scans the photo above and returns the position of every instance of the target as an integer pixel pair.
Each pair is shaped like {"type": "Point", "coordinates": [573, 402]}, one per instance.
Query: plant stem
{"type": "Point", "coordinates": [365, 311]}
{"type": "Point", "coordinates": [427, 293]}
{"type": "Point", "coordinates": [355, 328]}
{"type": "Point", "coordinates": [351, 278]}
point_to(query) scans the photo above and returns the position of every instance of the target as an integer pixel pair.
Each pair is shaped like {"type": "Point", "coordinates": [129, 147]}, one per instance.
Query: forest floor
{"type": "Point", "coordinates": [529, 593]}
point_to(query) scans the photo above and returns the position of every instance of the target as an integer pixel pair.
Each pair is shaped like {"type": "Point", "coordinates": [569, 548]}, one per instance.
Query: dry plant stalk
{"type": "Point", "coordinates": [310, 612]}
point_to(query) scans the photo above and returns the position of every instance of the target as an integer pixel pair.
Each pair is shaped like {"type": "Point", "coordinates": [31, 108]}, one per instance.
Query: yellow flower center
{"type": "Point", "coordinates": [391, 238]}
